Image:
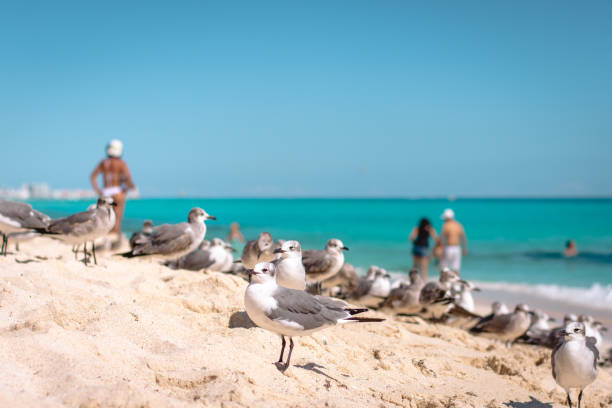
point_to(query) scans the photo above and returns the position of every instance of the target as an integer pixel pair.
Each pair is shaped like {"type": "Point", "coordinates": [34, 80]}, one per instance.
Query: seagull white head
{"type": "Point", "coordinates": [263, 272]}
{"type": "Point", "coordinates": [522, 307]}
{"type": "Point", "coordinates": [448, 275]}
{"type": "Point", "coordinates": [289, 249]}
{"type": "Point", "coordinates": [217, 242]}
{"type": "Point", "coordinates": [264, 241]}
{"type": "Point", "coordinates": [569, 318]}
{"type": "Point", "coordinates": [414, 275]}
{"type": "Point", "coordinates": [497, 307]}
{"type": "Point", "coordinates": [147, 226]}
{"type": "Point", "coordinates": [197, 214]}
{"type": "Point", "coordinates": [106, 202]}
{"type": "Point", "coordinates": [335, 245]}
{"type": "Point", "coordinates": [574, 331]}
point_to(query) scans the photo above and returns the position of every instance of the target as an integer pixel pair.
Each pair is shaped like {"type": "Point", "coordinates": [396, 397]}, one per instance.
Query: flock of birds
{"type": "Point", "coordinates": [286, 285]}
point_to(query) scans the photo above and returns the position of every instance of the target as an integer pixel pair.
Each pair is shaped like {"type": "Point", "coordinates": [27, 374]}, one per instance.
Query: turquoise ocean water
{"type": "Point", "coordinates": [516, 241]}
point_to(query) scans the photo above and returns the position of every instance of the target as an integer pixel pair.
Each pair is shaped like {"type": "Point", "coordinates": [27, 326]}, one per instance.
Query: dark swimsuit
{"type": "Point", "coordinates": [420, 245]}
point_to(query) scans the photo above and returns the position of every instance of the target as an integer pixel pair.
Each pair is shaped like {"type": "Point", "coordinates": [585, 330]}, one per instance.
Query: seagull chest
{"type": "Point", "coordinates": [574, 365]}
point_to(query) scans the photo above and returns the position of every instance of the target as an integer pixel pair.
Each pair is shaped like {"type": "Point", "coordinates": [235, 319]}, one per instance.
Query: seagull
{"type": "Point", "coordinates": [259, 250]}
{"type": "Point", "coordinates": [505, 327]}
{"type": "Point", "coordinates": [324, 264]}
{"type": "Point", "coordinates": [434, 295]}
{"type": "Point", "coordinates": [574, 360]}
{"type": "Point", "coordinates": [19, 217]}
{"type": "Point", "coordinates": [86, 226]}
{"type": "Point", "coordinates": [290, 312]}
{"type": "Point", "coordinates": [173, 240]}
{"type": "Point", "coordinates": [461, 291]}
{"type": "Point", "coordinates": [290, 271]}
{"type": "Point", "coordinates": [373, 289]}
{"type": "Point", "coordinates": [346, 280]}
{"type": "Point", "coordinates": [143, 234]}
{"type": "Point", "coordinates": [212, 256]}
{"type": "Point", "coordinates": [405, 298]}
{"type": "Point", "coordinates": [589, 325]}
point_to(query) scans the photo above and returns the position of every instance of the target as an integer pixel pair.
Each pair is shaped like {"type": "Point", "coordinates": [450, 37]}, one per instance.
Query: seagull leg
{"type": "Point", "coordinates": [283, 342]}
{"type": "Point", "coordinates": [569, 401]}
{"type": "Point", "coordinates": [289, 355]}
{"type": "Point", "coordinates": [3, 244]}
{"type": "Point", "coordinates": [85, 255]}
{"type": "Point", "coordinates": [93, 250]}
{"type": "Point", "coordinates": [17, 247]}
{"type": "Point", "coordinates": [579, 398]}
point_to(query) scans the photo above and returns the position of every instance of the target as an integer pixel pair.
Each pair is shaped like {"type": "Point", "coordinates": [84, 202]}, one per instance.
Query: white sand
{"type": "Point", "coordinates": [132, 333]}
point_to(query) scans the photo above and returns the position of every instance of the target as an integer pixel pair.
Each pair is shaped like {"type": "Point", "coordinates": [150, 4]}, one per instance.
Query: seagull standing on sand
{"type": "Point", "coordinates": [506, 327]}
{"type": "Point", "coordinates": [574, 360]}
{"type": "Point", "coordinates": [324, 264]}
{"type": "Point", "coordinates": [83, 227]}
{"type": "Point", "coordinates": [290, 271]}
{"type": "Point", "coordinates": [461, 291]}
{"type": "Point", "coordinates": [290, 312]}
{"type": "Point", "coordinates": [173, 240]}
{"type": "Point", "coordinates": [18, 217]}
{"type": "Point", "coordinates": [258, 250]}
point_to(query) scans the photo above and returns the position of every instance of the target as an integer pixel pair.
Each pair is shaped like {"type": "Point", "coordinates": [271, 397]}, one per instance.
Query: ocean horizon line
{"type": "Point", "coordinates": [364, 198]}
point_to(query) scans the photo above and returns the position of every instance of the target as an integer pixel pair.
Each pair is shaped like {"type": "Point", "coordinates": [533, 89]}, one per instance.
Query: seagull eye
{"type": "Point", "coordinates": [576, 330]}
{"type": "Point", "coordinates": [265, 270]}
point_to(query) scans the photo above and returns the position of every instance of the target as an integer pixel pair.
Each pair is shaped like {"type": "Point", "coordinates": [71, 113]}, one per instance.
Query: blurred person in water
{"type": "Point", "coordinates": [419, 236]}
{"type": "Point", "coordinates": [454, 243]}
{"type": "Point", "coordinates": [570, 249]}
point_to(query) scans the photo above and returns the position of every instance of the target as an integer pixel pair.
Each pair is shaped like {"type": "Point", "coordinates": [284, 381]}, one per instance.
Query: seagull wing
{"type": "Point", "coordinates": [24, 214]}
{"type": "Point", "coordinates": [296, 307]}
{"type": "Point", "coordinates": [167, 239]}
{"type": "Point", "coordinates": [196, 260]}
{"type": "Point", "coordinates": [77, 224]}
{"type": "Point", "coordinates": [316, 263]}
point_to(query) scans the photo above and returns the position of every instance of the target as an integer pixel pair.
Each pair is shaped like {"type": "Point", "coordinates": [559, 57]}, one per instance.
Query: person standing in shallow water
{"type": "Point", "coordinates": [420, 245]}
{"type": "Point", "coordinates": [116, 179]}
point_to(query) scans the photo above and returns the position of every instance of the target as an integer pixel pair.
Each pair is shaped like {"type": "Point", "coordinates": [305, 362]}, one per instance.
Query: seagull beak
{"type": "Point", "coordinates": [114, 204]}
{"type": "Point", "coordinates": [279, 251]}
{"type": "Point", "coordinates": [551, 319]}
{"type": "Point", "coordinates": [345, 248]}
{"type": "Point", "coordinates": [210, 217]}
{"type": "Point", "coordinates": [476, 290]}
{"type": "Point", "coordinates": [230, 248]}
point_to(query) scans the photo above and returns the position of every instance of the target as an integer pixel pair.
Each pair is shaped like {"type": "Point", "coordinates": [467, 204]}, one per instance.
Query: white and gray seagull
{"type": "Point", "coordinates": [146, 230]}
{"type": "Point", "coordinates": [574, 360]}
{"type": "Point", "coordinates": [212, 256]}
{"type": "Point", "coordinates": [290, 312]}
{"type": "Point", "coordinates": [324, 264]}
{"type": "Point", "coordinates": [19, 217]}
{"type": "Point", "coordinates": [505, 327]}
{"type": "Point", "coordinates": [290, 271]}
{"type": "Point", "coordinates": [258, 250]}
{"type": "Point", "coordinates": [173, 240]}
{"type": "Point", "coordinates": [86, 226]}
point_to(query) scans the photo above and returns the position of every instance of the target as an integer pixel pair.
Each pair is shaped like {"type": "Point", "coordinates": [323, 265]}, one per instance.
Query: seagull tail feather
{"type": "Point", "coordinates": [364, 319]}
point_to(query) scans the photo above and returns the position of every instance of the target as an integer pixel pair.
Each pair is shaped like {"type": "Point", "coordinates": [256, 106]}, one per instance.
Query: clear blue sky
{"type": "Point", "coordinates": [332, 98]}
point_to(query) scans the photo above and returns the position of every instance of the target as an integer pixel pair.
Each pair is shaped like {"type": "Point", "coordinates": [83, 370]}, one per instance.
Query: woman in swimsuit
{"type": "Point", "coordinates": [420, 245]}
{"type": "Point", "coordinates": [116, 177]}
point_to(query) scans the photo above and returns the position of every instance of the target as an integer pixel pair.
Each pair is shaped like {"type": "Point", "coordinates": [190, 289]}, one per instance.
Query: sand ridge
{"type": "Point", "coordinates": [133, 333]}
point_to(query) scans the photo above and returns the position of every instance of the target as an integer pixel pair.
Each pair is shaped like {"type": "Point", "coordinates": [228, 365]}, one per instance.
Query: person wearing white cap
{"type": "Point", "coordinates": [454, 243]}
{"type": "Point", "coordinates": [116, 179]}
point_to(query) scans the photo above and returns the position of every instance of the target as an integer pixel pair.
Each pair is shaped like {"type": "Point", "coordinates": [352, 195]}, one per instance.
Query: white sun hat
{"type": "Point", "coordinates": [114, 148]}
{"type": "Point", "coordinates": [448, 214]}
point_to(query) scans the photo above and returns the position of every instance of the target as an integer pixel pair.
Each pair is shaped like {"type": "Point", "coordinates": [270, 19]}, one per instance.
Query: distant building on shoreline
{"type": "Point", "coordinates": [42, 191]}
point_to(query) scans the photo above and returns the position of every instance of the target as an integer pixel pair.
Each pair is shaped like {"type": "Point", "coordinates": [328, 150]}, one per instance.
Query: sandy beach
{"type": "Point", "coordinates": [133, 333]}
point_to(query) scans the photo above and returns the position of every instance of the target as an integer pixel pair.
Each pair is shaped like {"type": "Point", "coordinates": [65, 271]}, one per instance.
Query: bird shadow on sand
{"type": "Point", "coordinates": [240, 319]}
{"type": "Point", "coordinates": [533, 403]}
{"type": "Point", "coordinates": [314, 367]}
